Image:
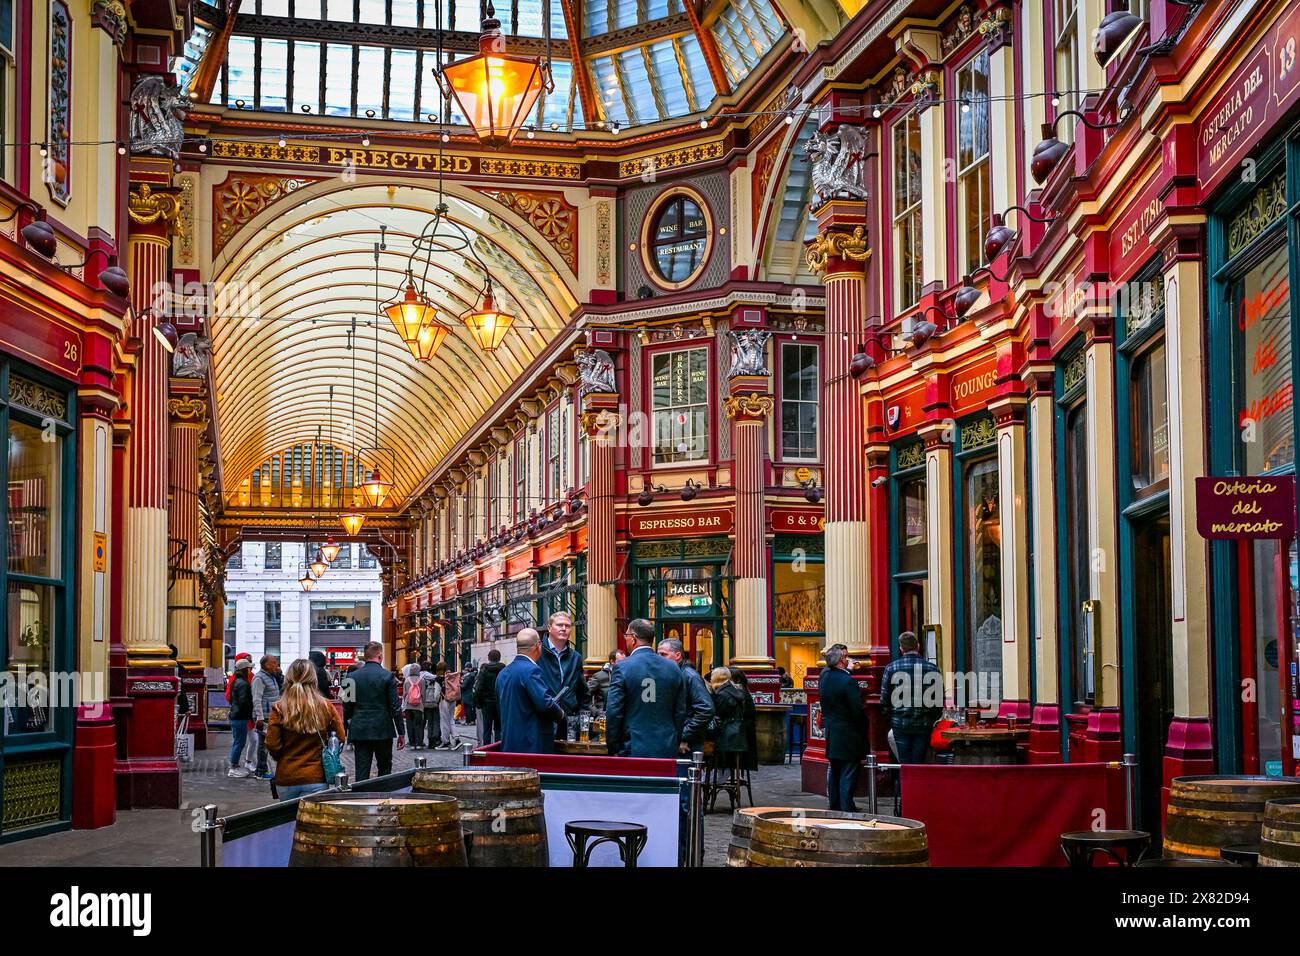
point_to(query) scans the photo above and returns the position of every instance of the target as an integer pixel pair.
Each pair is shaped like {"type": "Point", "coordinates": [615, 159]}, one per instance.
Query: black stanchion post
{"type": "Point", "coordinates": [208, 837]}
{"type": "Point", "coordinates": [341, 781]}
{"type": "Point", "coordinates": [421, 763]}
{"type": "Point", "coordinates": [1129, 764]}
{"type": "Point", "coordinates": [695, 780]}
{"type": "Point", "coordinates": [871, 781]}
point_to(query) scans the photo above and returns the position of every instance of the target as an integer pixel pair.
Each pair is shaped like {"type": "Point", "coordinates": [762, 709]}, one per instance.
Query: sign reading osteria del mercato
{"type": "Point", "coordinates": [1246, 507]}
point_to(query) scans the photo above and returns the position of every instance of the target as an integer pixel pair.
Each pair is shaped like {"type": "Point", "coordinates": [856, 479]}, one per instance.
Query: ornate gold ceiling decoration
{"type": "Point", "coordinates": [241, 196]}
{"type": "Point", "coordinates": [549, 213]}
{"type": "Point", "coordinates": [840, 245]}
{"type": "Point", "coordinates": [145, 207]}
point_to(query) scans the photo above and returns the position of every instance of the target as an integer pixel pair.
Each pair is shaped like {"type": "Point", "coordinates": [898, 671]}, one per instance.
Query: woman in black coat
{"type": "Point", "coordinates": [729, 718]}
{"type": "Point", "coordinates": [750, 720]}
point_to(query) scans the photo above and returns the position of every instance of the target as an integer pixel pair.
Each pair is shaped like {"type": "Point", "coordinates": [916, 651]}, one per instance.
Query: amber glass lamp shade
{"type": "Point", "coordinates": [376, 488]}
{"type": "Point", "coordinates": [319, 565]}
{"type": "Point", "coordinates": [488, 325]}
{"type": "Point", "coordinates": [352, 521]}
{"type": "Point", "coordinates": [496, 91]}
{"type": "Point", "coordinates": [330, 550]}
{"type": "Point", "coordinates": [427, 340]}
{"type": "Point", "coordinates": [307, 581]}
{"type": "Point", "coordinates": [410, 314]}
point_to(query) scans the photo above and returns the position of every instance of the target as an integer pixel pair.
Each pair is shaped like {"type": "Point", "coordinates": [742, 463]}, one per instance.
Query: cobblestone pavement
{"type": "Point", "coordinates": [168, 837]}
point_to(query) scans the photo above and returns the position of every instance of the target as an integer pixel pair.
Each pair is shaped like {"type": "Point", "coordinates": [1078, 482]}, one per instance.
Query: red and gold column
{"type": "Point", "coordinates": [148, 776]}
{"type": "Point", "coordinates": [188, 423]}
{"type": "Point", "coordinates": [749, 406]}
{"type": "Point", "coordinates": [600, 422]}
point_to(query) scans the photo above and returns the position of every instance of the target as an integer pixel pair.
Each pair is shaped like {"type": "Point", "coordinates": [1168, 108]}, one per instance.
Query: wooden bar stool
{"type": "Point", "coordinates": [630, 838]}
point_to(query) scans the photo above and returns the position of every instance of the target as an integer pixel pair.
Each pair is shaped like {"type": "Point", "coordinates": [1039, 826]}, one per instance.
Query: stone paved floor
{"type": "Point", "coordinates": [166, 837]}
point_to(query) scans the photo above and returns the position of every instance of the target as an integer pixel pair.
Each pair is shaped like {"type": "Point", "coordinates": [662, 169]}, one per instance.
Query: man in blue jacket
{"type": "Point", "coordinates": [527, 709]}
{"type": "Point", "coordinates": [647, 704]}
{"type": "Point", "coordinates": [562, 669]}
{"type": "Point", "coordinates": [373, 713]}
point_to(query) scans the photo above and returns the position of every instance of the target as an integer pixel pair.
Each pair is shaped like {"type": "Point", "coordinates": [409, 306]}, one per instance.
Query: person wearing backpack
{"type": "Point", "coordinates": [450, 682]}
{"type": "Point", "coordinates": [432, 698]}
{"type": "Point", "coordinates": [413, 688]}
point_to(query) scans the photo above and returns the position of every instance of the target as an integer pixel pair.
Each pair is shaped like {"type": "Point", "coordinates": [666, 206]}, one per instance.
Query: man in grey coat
{"type": "Point", "coordinates": [699, 702]}
{"type": "Point", "coordinates": [266, 691]}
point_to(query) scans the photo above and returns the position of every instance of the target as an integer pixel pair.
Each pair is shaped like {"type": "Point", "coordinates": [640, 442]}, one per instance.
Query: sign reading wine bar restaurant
{"type": "Point", "coordinates": [1246, 507]}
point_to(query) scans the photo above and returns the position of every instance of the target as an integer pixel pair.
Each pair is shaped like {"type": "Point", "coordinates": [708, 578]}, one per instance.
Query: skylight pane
{"type": "Point", "coordinates": [307, 9]}
{"type": "Point", "coordinates": [556, 107]}
{"type": "Point", "coordinates": [505, 14]}
{"type": "Point", "coordinates": [370, 80]}
{"type": "Point", "coordinates": [306, 75]}
{"type": "Point", "coordinates": [625, 13]}
{"type": "Point", "coordinates": [468, 18]}
{"type": "Point", "coordinates": [401, 86]}
{"type": "Point", "coordinates": [405, 13]}
{"type": "Point", "coordinates": [274, 8]}
{"type": "Point", "coordinates": [340, 10]}
{"type": "Point", "coordinates": [529, 23]}
{"type": "Point", "coordinates": [596, 17]}
{"type": "Point", "coordinates": [668, 77]}
{"type": "Point", "coordinates": [608, 90]}
{"type": "Point", "coordinates": [373, 11]}
{"type": "Point", "coordinates": [794, 198]}
{"type": "Point", "coordinates": [636, 82]}
{"type": "Point", "coordinates": [338, 79]}
{"type": "Point", "coordinates": [240, 63]}
{"type": "Point", "coordinates": [275, 75]}
{"type": "Point", "coordinates": [698, 70]}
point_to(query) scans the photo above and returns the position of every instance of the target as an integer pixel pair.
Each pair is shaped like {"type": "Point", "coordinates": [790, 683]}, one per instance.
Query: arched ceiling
{"type": "Point", "coordinates": [289, 289]}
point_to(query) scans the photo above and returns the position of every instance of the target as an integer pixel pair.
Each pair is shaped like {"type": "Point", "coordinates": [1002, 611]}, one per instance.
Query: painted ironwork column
{"type": "Point", "coordinates": [1045, 722]}
{"type": "Point", "coordinates": [749, 406]}
{"type": "Point", "coordinates": [839, 253]}
{"type": "Point", "coordinates": [1009, 417]}
{"type": "Point", "coordinates": [149, 775]}
{"type": "Point", "coordinates": [188, 423]}
{"type": "Point", "coordinates": [600, 421]}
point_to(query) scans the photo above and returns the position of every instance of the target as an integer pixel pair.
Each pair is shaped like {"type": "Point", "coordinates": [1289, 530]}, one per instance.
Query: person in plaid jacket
{"type": "Point", "coordinates": [911, 697]}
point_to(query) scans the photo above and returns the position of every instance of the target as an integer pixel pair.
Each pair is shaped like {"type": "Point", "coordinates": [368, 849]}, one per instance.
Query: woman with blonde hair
{"type": "Point", "coordinates": [299, 731]}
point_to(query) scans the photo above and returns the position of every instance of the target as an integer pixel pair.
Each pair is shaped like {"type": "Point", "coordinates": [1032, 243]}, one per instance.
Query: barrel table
{"type": "Point", "coordinates": [805, 841]}
{"type": "Point", "coordinates": [983, 745]}
{"type": "Point", "coordinates": [500, 806]}
{"type": "Point", "coordinates": [742, 825]}
{"type": "Point", "coordinates": [770, 732]}
{"type": "Point", "coordinates": [1279, 837]}
{"type": "Point", "coordinates": [377, 829]}
{"type": "Point", "coordinates": [1207, 813]}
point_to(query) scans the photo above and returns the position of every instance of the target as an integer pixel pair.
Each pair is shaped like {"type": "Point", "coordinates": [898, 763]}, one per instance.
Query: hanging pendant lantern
{"type": "Point", "coordinates": [376, 488]}
{"type": "Point", "coordinates": [487, 324]}
{"type": "Point", "coordinates": [496, 91]}
{"type": "Point", "coordinates": [330, 549]}
{"type": "Point", "coordinates": [412, 313]}
{"type": "Point", "coordinates": [427, 340]}
{"type": "Point", "coordinates": [319, 565]}
{"type": "Point", "coordinates": [307, 581]}
{"type": "Point", "coordinates": [352, 521]}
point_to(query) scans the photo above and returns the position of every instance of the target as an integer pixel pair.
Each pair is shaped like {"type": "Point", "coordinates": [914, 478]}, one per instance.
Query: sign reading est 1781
{"type": "Point", "coordinates": [1245, 507]}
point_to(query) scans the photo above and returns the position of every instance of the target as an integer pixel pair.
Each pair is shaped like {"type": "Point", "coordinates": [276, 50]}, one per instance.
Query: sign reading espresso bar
{"type": "Point", "coordinates": [1246, 507]}
{"type": "Point", "coordinates": [679, 524]}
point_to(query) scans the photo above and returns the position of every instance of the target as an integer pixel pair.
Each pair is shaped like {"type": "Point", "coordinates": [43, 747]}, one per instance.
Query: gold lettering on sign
{"type": "Point", "coordinates": [974, 386]}
{"type": "Point", "coordinates": [1138, 229]}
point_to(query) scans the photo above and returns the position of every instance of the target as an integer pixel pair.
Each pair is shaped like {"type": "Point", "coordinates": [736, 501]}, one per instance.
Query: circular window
{"type": "Point", "coordinates": [678, 240]}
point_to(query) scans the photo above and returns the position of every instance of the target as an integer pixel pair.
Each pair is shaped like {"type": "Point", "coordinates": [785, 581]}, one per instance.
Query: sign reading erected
{"type": "Point", "coordinates": [682, 525]}
{"type": "Point", "coordinates": [1245, 507]}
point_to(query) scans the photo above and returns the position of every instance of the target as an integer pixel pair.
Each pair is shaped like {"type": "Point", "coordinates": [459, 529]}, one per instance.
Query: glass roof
{"type": "Point", "coordinates": [660, 74]}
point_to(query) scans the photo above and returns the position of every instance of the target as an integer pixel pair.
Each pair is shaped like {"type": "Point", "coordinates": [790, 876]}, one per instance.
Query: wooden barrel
{"type": "Point", "coordinates": [742, 825]}
{"type": "Point", "coordinates": [818, 840]}
{"type": "Point", "coordinates": [769, 727]}
{"type": "Point", "coordinates": [377, 829]}
{"type": "Point", "coordinates": [1279, 837]}
{"type": "Point", "coordinates": [500, 806]}
{"type": "Point", "coordinates": [1206, 814]}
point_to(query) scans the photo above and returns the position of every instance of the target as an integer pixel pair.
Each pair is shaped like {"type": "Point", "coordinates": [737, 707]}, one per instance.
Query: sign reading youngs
{"type": "Point", "coordinates": [1246, 507]}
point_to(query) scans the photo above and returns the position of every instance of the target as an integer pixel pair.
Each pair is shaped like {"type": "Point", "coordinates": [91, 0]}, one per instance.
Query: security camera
{"type": "Point", "coordinates": [877, 482]}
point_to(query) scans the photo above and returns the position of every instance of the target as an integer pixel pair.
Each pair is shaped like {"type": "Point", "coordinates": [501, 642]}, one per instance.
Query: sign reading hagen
{"type": "Point", "coordinates": [1245, 507]}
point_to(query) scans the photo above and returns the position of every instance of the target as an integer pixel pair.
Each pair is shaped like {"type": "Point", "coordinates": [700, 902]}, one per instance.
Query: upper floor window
{"type": "Point", "coordinates": [272, 615]}
{"type": "Point", "coordinates": [8, 101]}
{"type": "Point", "coordinates": [680, 402]}
{"type": "Point", "coordinates": [521, 476]}
{"type": "Point", "coordinates": [1065, 61]}
{"type": "Point", "coordinates": [799, 391]}
{"type": "Point", "coordinates": [554, 441]}
{"type": "Point", "coordinates": [231, 616]}
{"type": "Point", "coordinates": [907, 209]}
{"type": "Point", "coordinates": [274, 559]}
{"type": "Point", "coordinates": [367, 560]}
{"type": "Point", "coordinates": [678, 239]}
{"type": "Point", "coordinates": [236, 561]}
{"type": "Point", "coordinates": [974, 215]}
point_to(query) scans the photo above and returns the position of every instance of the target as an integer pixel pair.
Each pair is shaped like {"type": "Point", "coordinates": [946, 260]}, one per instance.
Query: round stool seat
{"type": "Point", "coordinates": [630, 838]}
{"type": "Point", "coordinates": [1080, 845]}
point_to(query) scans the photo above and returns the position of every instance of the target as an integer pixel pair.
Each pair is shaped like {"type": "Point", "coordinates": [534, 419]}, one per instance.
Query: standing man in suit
{"type": "Point", "coordinates": [844, 721]}
{"type": "Point", "coordinates": [647, 704]}
{"type": "Point", "coordinates": [373, 713]}
{"type": "Point", "coordinates": [699, 702]}
{"type": "Point", "coordinates": [527, 709]}
{"type": "Point", "coordinates": [561, 666]}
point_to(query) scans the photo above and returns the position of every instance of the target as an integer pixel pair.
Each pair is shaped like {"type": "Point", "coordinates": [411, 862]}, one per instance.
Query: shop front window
{"type": "Point", "coordinates": [1079, 576]}
{"type": "Point", "coordinates": [1150, 418]}
{"type": "Point", "coordinates": [799, 611]}
{"type": "Point", "coordinates": [340, 615]}
{"type": "Point", "coordinates": [1263, 367]}
{"type": "Point", "coordinates": [984, 581]}
{"type": "Point", "coordinates": [680, 401]}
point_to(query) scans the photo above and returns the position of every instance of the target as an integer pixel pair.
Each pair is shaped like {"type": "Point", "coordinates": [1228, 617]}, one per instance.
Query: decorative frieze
{"type": "Point", "coordinates": [1266, 205]}
{"type": "Point", "coordinates": [36, 398]}
{"type": "Point", "coordinates": [242, 196]}
{"type": "Point", "coordinates": [549, 213]}
{"type": "Point", "coordinates": [672, 159]}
